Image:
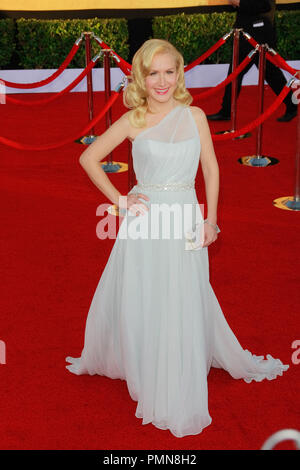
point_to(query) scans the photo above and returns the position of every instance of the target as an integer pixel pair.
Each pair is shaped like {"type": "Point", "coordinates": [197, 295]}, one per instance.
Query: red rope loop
{"type": "Point", "coordinates": [20, 146]}
{"type": "Point", "coordinates": [126, 67]}
{"type": "Point", "coordinates": [208, 53]}
{"type": "Point", "coordinates": [122, 64]}
{"type": "Point", "coordinates": [250, 126]}
{"type": "Point", "coordinates": [227, 80]}
{"type": "Point", "coordinates": [280, 62]}
{"type": "Point", "coordinates": [62, 92]}
{"type": "Point", "coordinates": [113, 98]}
{"type": "Point", "coordinates": [52, 77]}
{"type": "Point", "coordinates": [276, 59]}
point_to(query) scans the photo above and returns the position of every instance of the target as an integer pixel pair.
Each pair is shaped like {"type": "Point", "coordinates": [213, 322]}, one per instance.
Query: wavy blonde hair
{"type": "Point", "coordinates": [135, 95]}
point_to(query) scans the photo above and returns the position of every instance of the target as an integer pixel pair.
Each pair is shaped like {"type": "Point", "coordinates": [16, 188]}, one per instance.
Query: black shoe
{"type": "Point", "coordinates": [288, 116]}
{"type": "Point", "coordinates": [220, 116]}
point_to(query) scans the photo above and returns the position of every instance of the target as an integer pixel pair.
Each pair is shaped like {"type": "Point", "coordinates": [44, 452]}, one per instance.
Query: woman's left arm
{"type": "Point", "coordinates": [209, 164]}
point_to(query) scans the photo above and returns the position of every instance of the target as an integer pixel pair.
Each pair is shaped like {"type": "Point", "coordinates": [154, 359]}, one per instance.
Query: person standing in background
{"type": "Point", "coordinates": [256, 17]}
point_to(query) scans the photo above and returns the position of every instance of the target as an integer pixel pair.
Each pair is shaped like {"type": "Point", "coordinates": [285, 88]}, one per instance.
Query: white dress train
{"type": "Point", "coordinates": [154, 319]}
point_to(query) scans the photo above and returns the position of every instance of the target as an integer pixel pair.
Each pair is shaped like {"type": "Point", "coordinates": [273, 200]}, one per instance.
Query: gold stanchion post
{"type": "Point", "coordinates": [292, 203]}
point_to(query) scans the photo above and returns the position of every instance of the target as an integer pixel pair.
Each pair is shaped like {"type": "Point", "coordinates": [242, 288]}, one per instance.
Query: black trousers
{"type": "Point", "coordinates": [273, 76]}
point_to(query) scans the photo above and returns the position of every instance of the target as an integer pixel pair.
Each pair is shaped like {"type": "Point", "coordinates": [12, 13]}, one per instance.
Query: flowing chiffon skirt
{"type": "Point", "coordinates": [154, 319]}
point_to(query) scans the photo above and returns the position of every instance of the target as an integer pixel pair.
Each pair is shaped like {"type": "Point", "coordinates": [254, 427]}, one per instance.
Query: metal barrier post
{"type": "Point", "coordinates": [235, 63]}
{"type": "Point", "coordinates": [88, 139]}
{"type": "Point", "coordinates": [259, 160]}
{"type": "Point", "coordinates": [293, 202]}
{"type": "Point", "coordinates": [108, 166]}
{"type": "Point", "coordinates": [234, 85]}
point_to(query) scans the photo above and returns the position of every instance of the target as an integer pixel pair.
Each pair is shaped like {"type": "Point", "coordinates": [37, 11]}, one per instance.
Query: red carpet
{"type": "Point", "coordinates": [51, 261]}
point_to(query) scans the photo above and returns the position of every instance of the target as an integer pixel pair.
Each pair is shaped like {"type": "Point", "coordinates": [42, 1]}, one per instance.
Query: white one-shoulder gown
{"type": "Point", "coordinates": [154, 319]}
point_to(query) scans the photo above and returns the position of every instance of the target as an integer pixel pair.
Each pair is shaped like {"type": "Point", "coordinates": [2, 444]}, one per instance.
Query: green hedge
{"type": "Point", "coordinates": [194, 34]}
{"type": "Point", "coordinates": [39, 44]}
{"type": "Point", "coordinates": [7, 41]}
{"type": "Point", "coordinates": [288, 34]}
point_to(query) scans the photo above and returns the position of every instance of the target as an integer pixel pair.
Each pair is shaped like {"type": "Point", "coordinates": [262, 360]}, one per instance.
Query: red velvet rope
{"type": "Point", "coordinates": [57, 95]}
{"type": "Point", "coordinates": [113, 98]}
{"type": "Point", "coordinates": [257, 121]}
{"type": "Point", "coordinates": [122, 64]}
{"type": "Point", "coordinates": [282, 63]}
{"type": "Point", "coordinates": [49, 79]}
{"type": "Point", "coordinates": [19, 146]}
{"type": "Point", "coordinates": [126, 67]}
{"type": "Point", "coordinates": [275, 59]}
{"type": "Point", "coordinates": [206, 54]}
{"type": "Point", "coordinates": [225, 82]}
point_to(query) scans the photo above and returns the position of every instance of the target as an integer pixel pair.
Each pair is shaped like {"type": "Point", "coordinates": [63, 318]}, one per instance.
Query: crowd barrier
{"type": "Point", "coordinates": [265, 52]}
{"type": "Point", "coordinates": [58, 72]}
{"type": "Point", "coordinates": [17, 145]}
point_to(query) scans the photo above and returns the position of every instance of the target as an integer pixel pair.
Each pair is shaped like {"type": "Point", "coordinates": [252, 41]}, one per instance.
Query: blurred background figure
{"type": "Point", "coordinates": [256, 17]}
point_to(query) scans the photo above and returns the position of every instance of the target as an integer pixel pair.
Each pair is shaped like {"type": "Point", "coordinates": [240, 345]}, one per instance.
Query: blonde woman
{"type": "Point", "coordinates": [154, 320]}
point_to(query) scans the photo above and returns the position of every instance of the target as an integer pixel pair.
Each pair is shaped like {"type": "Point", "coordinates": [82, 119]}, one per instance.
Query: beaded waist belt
{"type": "Point", "coordinates": [167, 186]}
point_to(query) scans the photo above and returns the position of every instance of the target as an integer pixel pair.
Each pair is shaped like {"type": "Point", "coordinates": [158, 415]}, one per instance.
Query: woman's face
{"type": "Point", "coordinates": [162, 78]}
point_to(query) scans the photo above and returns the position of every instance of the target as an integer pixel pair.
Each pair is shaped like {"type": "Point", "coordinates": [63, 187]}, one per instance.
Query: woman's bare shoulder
{"type": "Point", "coordinates": [198, 113]}
{"type": "Point", "coordinates": [124, 119]}
{"type": "Point", "coordinates": [123, 124]}
{"type": "Point", "coordinates": [132, 131]}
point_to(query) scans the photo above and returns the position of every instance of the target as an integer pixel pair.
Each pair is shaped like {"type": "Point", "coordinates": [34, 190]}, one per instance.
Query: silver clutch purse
{"type": "Point", "coordinates": [195, 236]}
